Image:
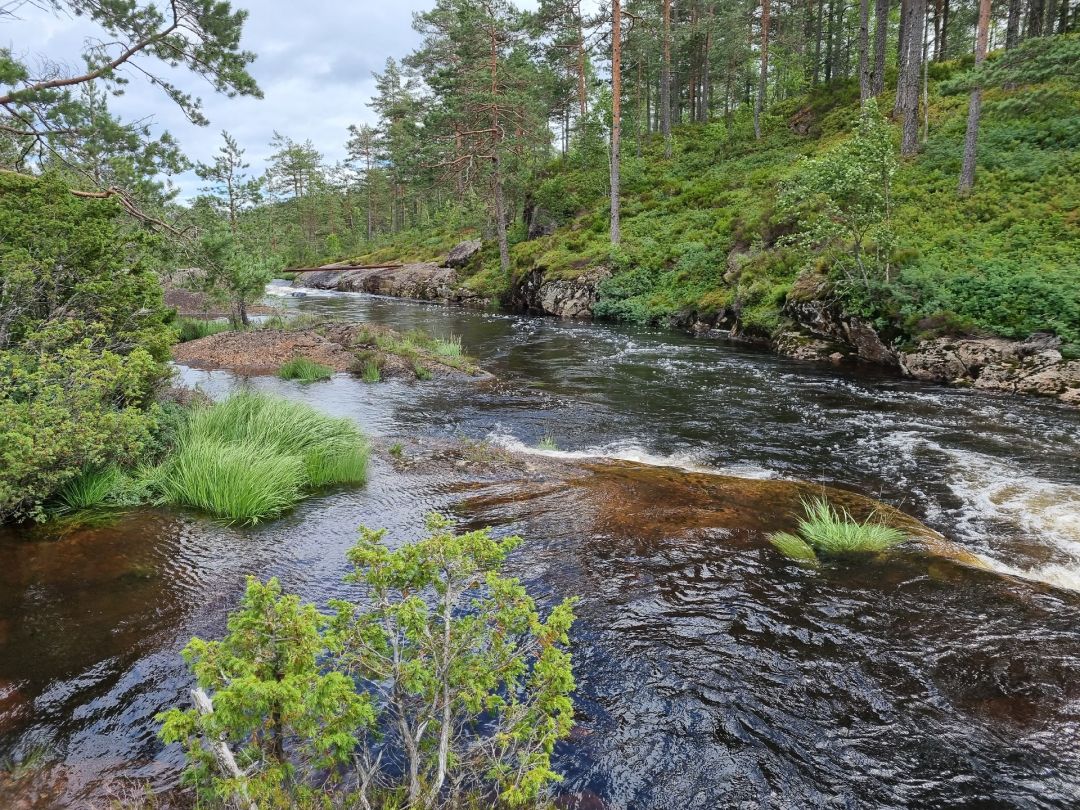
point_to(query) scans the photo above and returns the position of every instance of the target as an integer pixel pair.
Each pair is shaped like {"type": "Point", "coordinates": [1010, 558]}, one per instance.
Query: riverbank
{"type": "Point", "coordinates": [814, 328]}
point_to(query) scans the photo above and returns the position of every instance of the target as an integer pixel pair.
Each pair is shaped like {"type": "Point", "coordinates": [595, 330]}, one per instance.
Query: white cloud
{"type": "Point", "coordinates": [314, 67]}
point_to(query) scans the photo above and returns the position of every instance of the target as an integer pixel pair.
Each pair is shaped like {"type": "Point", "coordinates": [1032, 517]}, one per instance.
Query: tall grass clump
{"type": "Point", "coordinates": [195, 328]}
{"type": "Point", "coordinates": [90, 489]}
{"type": "Point", "coordinates": [450, 347]}
{"type": "Point", "coordinates": [253, 456]}
{"type": "Point", "coordinates": [827, 531]}
{"type": "Point", "coordinates": [305, 370]}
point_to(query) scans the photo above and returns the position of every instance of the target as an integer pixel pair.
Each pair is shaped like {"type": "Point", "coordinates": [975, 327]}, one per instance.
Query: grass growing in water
{"type": "Point", "coordinates": [253, 456]}
{"type": "Point", "coordinates": [89, 490]}
{"type": "Point", "coordinates": [451, 347]}
{"type": "Point", "coordinates": [370, 373]}
{"type": "Point", "coordinates": [305, 370]}
{"type": "Point", "coordinates": [827, 531]}
{"type": "Point", "coordinates": [547, 442]}
{"type": "Point", "coordinates": [195, 328]}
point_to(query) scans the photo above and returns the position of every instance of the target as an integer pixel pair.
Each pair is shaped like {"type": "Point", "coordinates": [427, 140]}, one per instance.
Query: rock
{"type": "Point", "coordinates": [565, 298]}
{"type": "Point", "coordinates": [826, 321]}
{"type": "Point", "coordinates": [803, 346]}
{"type": "Point", "coordinates": [425, 281]}
{"type": "Point", "coordinates": [463, 253]}
{"type": "Point", "coordinates": [1032, 366]}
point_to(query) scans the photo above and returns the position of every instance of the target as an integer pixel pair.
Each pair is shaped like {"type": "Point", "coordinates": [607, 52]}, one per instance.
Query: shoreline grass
{"type": "Point", "coordinates": [252, 457]}
{"type": "Point", "coordinates": [196, 328]}
{"type": "Point", "coordinates": [305, 370]}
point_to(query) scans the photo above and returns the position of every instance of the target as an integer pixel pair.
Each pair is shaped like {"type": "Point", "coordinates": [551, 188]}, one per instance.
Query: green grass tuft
{"type": "Point", "coordinates": [547, 442]}
{"type": "Point", "coordinates": [370, 372]}
{"type": "Point", "coordinates": [305, 370]}
{"type": "Point", "coordinates": [451, 347]}
{"type": "Point", "coordinates": [793, 547]}
{"type": "Point", "coordinates": [827, 531]}
{"type": "Point", "coordinates": [253, 456]}
{"type": "Point", "coordinates": [421, 372]}
{"type": "Point", "coordinates": [91, 489]}
{"type": "Point", "coordinates": [195, 328]}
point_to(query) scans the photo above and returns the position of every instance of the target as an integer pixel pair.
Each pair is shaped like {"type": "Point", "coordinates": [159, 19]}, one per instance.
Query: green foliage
{"type": "Point", "coordinates": [421, 372]}
{"type": "Point", "coordinates": [234, 274]}
{"type": "Point", "coordinates": [305, 370]}
{"type": "Point", "coordinates": [252, 456]}
{"type": "Point", "coordinates": [827, 531]}
{"type": "Point", "coordinates": [793, 547]}
{"type": "Point", "coordinates": [846, 195]}
{"type": "Point", "coordinates": [370, 372]}
{"type": "Point", "coordinates": [451, 660]}
{"type": "Point", "coordinates": [547, 442]}
{"type": "Point", "coordinates": [83, 334]}
{"type": "Point", "coordinates": [90, 489]}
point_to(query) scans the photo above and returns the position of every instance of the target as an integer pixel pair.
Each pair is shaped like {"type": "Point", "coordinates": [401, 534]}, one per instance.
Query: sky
{"type": "Point", "coordinates": [315, 64]}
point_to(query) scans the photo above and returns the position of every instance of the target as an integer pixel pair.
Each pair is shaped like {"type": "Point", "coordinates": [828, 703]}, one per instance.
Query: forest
{"type": "Point", "coordinates": [711, 368]}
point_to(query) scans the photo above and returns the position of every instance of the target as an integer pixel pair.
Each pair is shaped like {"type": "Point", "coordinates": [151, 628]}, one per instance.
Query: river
{"type": "Point", "coordinates": [712, 672]}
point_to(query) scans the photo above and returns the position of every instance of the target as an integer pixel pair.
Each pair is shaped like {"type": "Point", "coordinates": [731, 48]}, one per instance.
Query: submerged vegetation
{"type": "Point", "coordinates": [318, 712]}
{"type": "Point", "coordinates": [824, 530]}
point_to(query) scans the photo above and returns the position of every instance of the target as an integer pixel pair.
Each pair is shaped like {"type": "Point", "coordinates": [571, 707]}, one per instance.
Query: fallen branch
{"type": "Point", "coordinates": [222, 753]}
{"type": "Point", "coordinates": [344, 267]}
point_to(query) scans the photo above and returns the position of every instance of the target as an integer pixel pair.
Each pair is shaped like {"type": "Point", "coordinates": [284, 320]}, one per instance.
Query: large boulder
{"type": "Point", "coordinates": [463, 253]}
{"type": "Point", "coordinates": [563, 297]}
{"type": "Point", "coordinates": [1032, 366]}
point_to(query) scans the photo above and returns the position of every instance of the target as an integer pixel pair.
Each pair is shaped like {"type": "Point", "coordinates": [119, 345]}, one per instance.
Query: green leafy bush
{"type": "Point", "coordinates": [447, 657]}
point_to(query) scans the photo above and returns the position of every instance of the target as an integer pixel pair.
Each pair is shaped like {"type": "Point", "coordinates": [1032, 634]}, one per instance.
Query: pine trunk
{"type": "Point", "coordinates": [616, 113]}
{"type": "Point", "coordinates": [864, 50]}
{"type": "Point", "coordinates": [1012, 28]}
{"type": "Point", "coordinates": [665, 82]}
{"type": "Point", "coordinates": [759, 102]}
{"type": "Point", "coordinates": [907, 87]}
{"type": "Point", "coordinates": [967, 173]}
{"type": "Point", "coordinates": [881, 36]}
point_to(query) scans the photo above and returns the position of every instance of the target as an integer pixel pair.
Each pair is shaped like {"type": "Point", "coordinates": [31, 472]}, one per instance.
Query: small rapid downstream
{"type": "Point", "coordinates": [712, 672]}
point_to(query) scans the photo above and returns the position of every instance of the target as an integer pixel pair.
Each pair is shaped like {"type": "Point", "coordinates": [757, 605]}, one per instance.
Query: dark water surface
{"type": "Point", "coordinates": [712, 673]}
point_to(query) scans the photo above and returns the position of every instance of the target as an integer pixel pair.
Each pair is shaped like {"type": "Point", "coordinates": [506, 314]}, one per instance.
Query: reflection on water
{"type": "Point", "coordinates": [712, 672]}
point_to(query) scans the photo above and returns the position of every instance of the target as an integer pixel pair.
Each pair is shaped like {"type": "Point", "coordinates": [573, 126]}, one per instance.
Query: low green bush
{"type": "Point", "coordinates": [305, 370]}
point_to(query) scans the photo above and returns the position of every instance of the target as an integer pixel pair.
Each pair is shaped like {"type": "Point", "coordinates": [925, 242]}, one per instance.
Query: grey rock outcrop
{"type": "Point", "coordinates": [463, 253]}
{"type": "Point", "coordinates": [564, 298]}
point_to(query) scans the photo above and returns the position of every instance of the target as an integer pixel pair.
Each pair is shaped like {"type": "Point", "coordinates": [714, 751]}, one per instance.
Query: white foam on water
{"type": "Point", "coordinates": [632, 451]}
{"type": "Point", "coordinates": [995, 492]}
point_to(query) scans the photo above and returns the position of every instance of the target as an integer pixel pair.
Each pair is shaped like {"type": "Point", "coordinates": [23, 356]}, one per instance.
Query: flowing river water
{"type": "Point", "coordinates": [712, 672]}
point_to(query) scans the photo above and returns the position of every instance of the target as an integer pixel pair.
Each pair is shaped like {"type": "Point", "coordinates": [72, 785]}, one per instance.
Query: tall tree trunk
{"type": "Point", "coordinates": [937, 30]}
{"type": "Point", "coordinates": [1035, 18]}
{"type": "Point", "coordinates": [831, 36]}
{"type": "Point", "coordinates": [706, 79]}
{"type": "Point", "coordinates": [945, 29]}
{"type": "Point", "coordinates": [759, 102]}
{"type": "Point", "coordinates": [665, 82]}
{"type": "Point", "coordinates": [1063, 17]}
{"type": "Point", "coordinates": [881, 37]}
{"type": "Point", "coordinates": [907, 87]}
{"type": "Point", "coordinates": [581, 59]}
{"type": "Point", "coordinates": [616, 113]}
{"type": "Point", "coordinates": [1012, 28]}
{"type": "Point", "coordinates": [817, 40]}
{"type": "Point", "coordinates": [864, 50]}
{"type": "Point", "coordinates": [967, 172]}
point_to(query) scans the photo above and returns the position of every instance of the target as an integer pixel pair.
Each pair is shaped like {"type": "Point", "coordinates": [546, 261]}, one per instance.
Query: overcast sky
{"type": "Point", "coordinates": [315, 60]}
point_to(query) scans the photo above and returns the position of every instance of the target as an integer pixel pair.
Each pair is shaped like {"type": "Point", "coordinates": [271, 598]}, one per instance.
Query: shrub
{"type": "Point", "coordinates": [305, 370]}
{"type": "Point", "coordinates": [827, 531]}
{"type": "Point", "coordinates": [473, 698]}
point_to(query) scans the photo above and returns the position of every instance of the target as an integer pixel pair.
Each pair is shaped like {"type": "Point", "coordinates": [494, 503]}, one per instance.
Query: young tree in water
{"type": "Point", "coordinates": [448, 659]}
{"type": "Point", "coordinates": [231, 188]}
